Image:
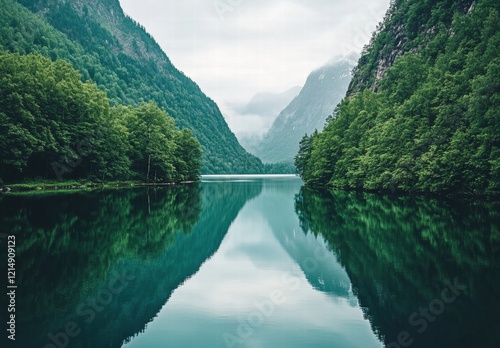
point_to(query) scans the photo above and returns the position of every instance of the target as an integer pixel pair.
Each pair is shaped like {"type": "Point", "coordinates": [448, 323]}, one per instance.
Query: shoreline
{"type": "Point", "coordinates": [49, 186]}
{"type": "Point", "coordinates": [412, 193]}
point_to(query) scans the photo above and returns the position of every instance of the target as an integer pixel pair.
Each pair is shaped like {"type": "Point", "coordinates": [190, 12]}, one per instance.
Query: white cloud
{"type": "Point", "coordinates": [252, 46]}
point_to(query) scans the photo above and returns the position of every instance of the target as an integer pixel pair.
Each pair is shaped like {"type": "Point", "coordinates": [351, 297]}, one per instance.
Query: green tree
{"type": "Point", "coordinates": [152, 143]}
{"type": "Point", "coordinates": [52, 125]}
{"type": "Point", "coordinates": [303, 156]}
{"type": "Point", "coordinates": [187, 156]}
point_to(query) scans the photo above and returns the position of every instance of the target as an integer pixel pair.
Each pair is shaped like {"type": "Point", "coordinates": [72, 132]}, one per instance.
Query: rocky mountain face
{"type": "Point", "coordinates": [406, 27]}
{"type": "Point", "coordinates": [323, 90]}
{"type": "Point", "coordinates": [269, 105]}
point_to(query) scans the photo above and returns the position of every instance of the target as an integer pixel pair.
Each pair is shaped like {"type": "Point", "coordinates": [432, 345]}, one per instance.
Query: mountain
{"type": "Point", "coordinates": [112, 50]}
{"type": "Point", "coordinates": [268, 105]}
{"type": "Point", "coordinates": [422, 112]}
{"type": "Point", "coordinates": [260, 112]}
{"type": "Point", "coordinates": [324, 88]}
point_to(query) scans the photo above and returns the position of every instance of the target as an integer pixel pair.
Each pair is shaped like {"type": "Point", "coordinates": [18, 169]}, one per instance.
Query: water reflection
{"type": "Point", "coordinates": [73, 247]}
{"type": "Point", "coordinates": [260, 289]}
{"type": "Point", "coordinates": [399, 253]}
{"type": "Point", "coordinates": [250, 262]}
{"type": "Point", "coordinates": [315, 259]}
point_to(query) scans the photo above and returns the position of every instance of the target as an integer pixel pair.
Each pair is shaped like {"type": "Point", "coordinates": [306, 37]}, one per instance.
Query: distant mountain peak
{"type": "Point", "coordinates": [351, 58]}
{"type": "Point", "coordinates": [324, 89]}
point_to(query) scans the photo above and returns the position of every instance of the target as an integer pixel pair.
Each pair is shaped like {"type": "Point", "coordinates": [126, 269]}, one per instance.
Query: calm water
{"type": "Point", "coordinates": [252, 261]}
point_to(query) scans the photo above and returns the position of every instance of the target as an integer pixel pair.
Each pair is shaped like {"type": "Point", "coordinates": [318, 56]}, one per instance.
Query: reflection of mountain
{"type": "Point", "coordinates": [399, 251]}
{"type": "Point", "coordinates": [70, 246]}
{"type": "Point", "coordinates": [311, 253]}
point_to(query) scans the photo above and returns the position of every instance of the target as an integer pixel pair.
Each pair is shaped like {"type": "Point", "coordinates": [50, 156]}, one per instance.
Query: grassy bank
{"type": "Point", "coordinates": [52, 185]}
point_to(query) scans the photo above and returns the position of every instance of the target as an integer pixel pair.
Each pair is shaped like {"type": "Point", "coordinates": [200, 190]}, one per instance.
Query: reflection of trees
{"type": "Point", "coordinates": [69, 242]}
{"type": "Point", "coordinates": [324, 274]}
{"type": "Point", "coordinates": [399, 250]}
{"type": "Point", "coordinates": [68, 245]}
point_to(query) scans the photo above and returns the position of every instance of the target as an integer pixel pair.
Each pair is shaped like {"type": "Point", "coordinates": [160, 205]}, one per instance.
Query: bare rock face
{"type": "Point", "coordinates": [396, 36]}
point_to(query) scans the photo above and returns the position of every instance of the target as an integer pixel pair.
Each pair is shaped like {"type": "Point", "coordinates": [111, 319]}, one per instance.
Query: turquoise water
{"type": "Point", "coordinates": [253, 261]}
{"type": "Point", "coordinates": [256, 291]}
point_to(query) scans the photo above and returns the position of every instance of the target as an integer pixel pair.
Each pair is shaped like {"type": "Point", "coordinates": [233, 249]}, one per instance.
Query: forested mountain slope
{"type": "Point", "coordinates": [115, 52]}
{"type": "Point", "coordinates": [423, 110]}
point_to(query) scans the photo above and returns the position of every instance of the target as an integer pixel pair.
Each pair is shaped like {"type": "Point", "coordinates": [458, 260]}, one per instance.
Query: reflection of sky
{"type": "Point", "coordinates": [250, 264]}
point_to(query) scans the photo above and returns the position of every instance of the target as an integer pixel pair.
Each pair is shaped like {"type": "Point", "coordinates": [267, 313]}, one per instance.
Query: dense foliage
{"type": "Point", "coordinates": [286, 167]}
{"type": "Point", "coordinates": [115, 52]}
{"type": "Point", "coordinates": [423, 110]}
{"type": "Point", "coordinates": [52, 125]}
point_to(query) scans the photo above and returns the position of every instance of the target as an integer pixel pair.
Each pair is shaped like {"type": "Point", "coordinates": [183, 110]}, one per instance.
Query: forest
{"type": "Point", "coordinates": [54, 126]}
{"type": "Point", "coordinates": [422, 113]}
{"type": "Point", "coordinates": [116, 53]}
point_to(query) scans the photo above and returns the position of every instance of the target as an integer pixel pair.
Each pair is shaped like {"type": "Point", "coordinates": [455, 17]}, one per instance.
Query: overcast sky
{"type": "Point", "coordinates": [234, 49]}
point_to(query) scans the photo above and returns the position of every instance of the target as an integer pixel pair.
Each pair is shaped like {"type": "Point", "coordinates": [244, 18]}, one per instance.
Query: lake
{"type": "Point", "coordinates": [251, 261]}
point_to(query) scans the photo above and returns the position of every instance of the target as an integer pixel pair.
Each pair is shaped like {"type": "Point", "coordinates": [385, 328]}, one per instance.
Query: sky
{"type": "Point", "coordinates": [234, 49]}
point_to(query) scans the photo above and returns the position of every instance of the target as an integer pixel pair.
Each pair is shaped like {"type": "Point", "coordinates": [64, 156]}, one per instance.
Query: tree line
{"type": "Point", "coordinates": [53, 125]}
